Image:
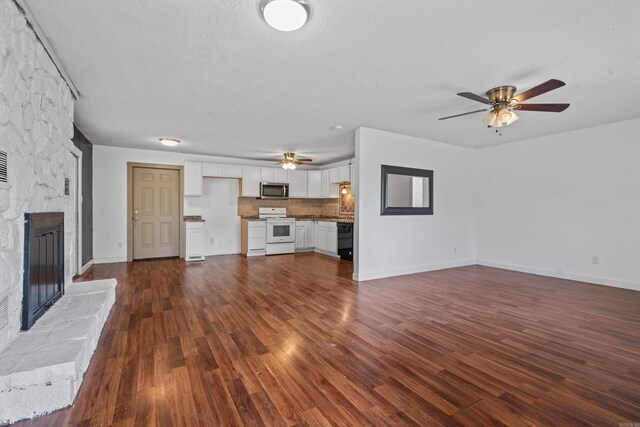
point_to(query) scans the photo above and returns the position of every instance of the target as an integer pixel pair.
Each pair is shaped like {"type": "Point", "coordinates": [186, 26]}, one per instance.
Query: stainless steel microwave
{"type": "Point", "coordinates": [274, 190]}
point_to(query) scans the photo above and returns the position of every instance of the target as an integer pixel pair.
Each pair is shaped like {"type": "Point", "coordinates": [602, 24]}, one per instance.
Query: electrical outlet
{"type": "Point", "coordinates": [119, 244]}
{"type": "Point", "coordinates": [595, 260]}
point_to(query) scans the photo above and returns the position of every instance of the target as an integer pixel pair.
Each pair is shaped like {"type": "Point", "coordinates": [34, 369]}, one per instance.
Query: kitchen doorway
{"type": "Point", "coordinates": [154, 211]}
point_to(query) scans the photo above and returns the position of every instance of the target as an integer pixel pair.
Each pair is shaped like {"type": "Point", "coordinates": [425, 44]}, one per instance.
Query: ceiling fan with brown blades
{"type": "Point", "coordinates": [290, 160]}
{"type": "Point", "coordinates": [504, 103]}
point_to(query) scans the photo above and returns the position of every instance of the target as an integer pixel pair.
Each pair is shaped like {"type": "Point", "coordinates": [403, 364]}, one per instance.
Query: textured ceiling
{"type": "Point", "coordinates": [215, 75]}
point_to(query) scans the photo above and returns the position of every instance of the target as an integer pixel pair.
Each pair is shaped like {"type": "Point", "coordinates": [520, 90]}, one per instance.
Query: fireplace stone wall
{"type": "Point", "coordinates": [36, 126]}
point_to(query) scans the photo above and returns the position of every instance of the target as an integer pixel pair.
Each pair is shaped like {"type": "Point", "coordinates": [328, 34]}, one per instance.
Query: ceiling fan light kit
{"type": "Point", "coordinates": [504, 102]}
{"type": "Point", "coordinates": [289, 166]}
{"type": "Point", "coordinates": [290, 161]}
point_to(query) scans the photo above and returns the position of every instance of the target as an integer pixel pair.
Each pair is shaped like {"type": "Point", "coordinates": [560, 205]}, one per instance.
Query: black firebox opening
{"type": "Point", "coordinates": [43, 264]}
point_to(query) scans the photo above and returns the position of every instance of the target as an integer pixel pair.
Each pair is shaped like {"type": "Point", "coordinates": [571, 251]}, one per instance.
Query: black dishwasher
{"type": "Point", "coordinates": [345, 240]}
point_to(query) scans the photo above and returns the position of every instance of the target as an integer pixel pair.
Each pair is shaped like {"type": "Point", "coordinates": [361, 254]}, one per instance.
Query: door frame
{"type": "Point", "coordinates": [77, 158]}
{"type": "Point", "coordinates": [180, 169]}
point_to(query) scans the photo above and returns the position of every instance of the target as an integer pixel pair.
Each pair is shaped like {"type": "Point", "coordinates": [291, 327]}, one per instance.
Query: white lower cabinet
{"type": "Point", "coordinates": [254, 237]}
{"type": "Point", "coordinates": [194, 241]}
{"type": "Point", "coordinates": [326, 237]}
{"type": "Point", "coordinates": [332, 239]}
{"type": "Point", "coordinates": [304, 236]}
{"type": "Point", "coordinates": [309, 233]}
{"type": "Point", "coordinates": [320, 234]}
{"type": "Point", "coordinates": [301, 243]}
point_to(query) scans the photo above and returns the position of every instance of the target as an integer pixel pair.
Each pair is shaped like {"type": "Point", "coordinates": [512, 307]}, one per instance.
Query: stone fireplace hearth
{"type": "Point", "coordinates": [42, 370]}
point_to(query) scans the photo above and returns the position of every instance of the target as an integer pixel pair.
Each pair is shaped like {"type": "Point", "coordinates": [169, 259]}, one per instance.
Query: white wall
{"type": "Point", "coordinates": [36, 126]}
{"type": "Point", "coordinates": [110, 193]}
{"type": "Point", "coordinates": [218, 206]}
{"type": "Point", "coordinates": [393, 245]}
{"type": "Point", "coordinates": [548, 205]}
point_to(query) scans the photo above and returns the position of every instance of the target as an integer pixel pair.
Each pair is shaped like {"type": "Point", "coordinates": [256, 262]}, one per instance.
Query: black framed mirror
{"type": "Point", "coordinates": [406, 191]}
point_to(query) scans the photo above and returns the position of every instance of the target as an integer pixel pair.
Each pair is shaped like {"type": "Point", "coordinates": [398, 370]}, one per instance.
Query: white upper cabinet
{"type": "Point", "coordinates": [232, 171]}
{"type": "Point", "coordinates": [325, 184]}
{"type": "Point", "coordinates": [212, 170]}
{"type": "Point", "coordinates": [298, 183]}
{"type": "Point", "coordinates": [281, 175]}
{"type": "Point", "coordinates": [329, 189]}
{"type": "Point", "coordinates": [314, 184]}
{"type": "Point", "coordinates": [192, 179]}
{"type": "Point", "coordinates": [345, 173]}
{"type": "Point", "coordinates": [334, 175]}
{"type": "Point", "coordinates": [302, 184]}
{"type": "Point", "coordinates": [334, 191]}
{"type": "Point", "coordinates": [251, 178]}
{"type": "Point", "coordinates": [216, 170]}
{"type": "Point", "coordinates": [278, 175]}
{"type": "Point", "coordinates": [269, 174]}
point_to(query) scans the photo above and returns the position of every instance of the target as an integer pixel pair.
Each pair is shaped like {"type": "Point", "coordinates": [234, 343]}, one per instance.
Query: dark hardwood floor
{"type": "Point", "coordinates": [291, 340]}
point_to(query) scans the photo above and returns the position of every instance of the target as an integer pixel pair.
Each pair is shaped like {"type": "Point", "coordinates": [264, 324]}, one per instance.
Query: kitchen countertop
{"type": "Point", "coordinates": [310, 218]}
{"type": "Point", "coordinates": [193, 218]}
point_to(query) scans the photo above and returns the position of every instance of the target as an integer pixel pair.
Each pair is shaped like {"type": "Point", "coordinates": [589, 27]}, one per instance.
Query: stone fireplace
{"type": "Point", "coordinates": [35, 135]}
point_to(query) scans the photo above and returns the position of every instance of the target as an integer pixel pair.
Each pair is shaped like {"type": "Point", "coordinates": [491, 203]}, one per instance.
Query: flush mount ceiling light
{"type": "Point", "coordinates": [170, 142]}
{"type": "Point", "coordinates": [285, 15]}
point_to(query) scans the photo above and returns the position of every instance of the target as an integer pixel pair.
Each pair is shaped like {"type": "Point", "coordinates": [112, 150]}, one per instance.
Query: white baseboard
{"type": "Point", "coordinates": [86, 267]}
{"type": "Point", "coordinates": [109, 260]}
{"type": "Point", "coordinates": [320, 251]}
{"type": "Point", "coordinates": [222, 253]}
{"type": "Point", "coordinates": [635, 286]}
{"type": "Point", "coordinates": [371, 275]}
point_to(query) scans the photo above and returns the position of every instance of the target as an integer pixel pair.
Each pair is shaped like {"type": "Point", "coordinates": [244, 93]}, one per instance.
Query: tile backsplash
{"type": "Point", "coordinates": [248, 206]}
{"type": "Point", "coordinates": [347, 202]}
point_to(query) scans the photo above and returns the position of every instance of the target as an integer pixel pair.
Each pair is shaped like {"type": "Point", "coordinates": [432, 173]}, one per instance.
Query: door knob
{"type": "Point", "coordinates": [135, 215]}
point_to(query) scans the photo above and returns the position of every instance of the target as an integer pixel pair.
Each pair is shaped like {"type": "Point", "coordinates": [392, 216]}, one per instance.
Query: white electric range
{"type": "Point", "coordinates": [281, 231]}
